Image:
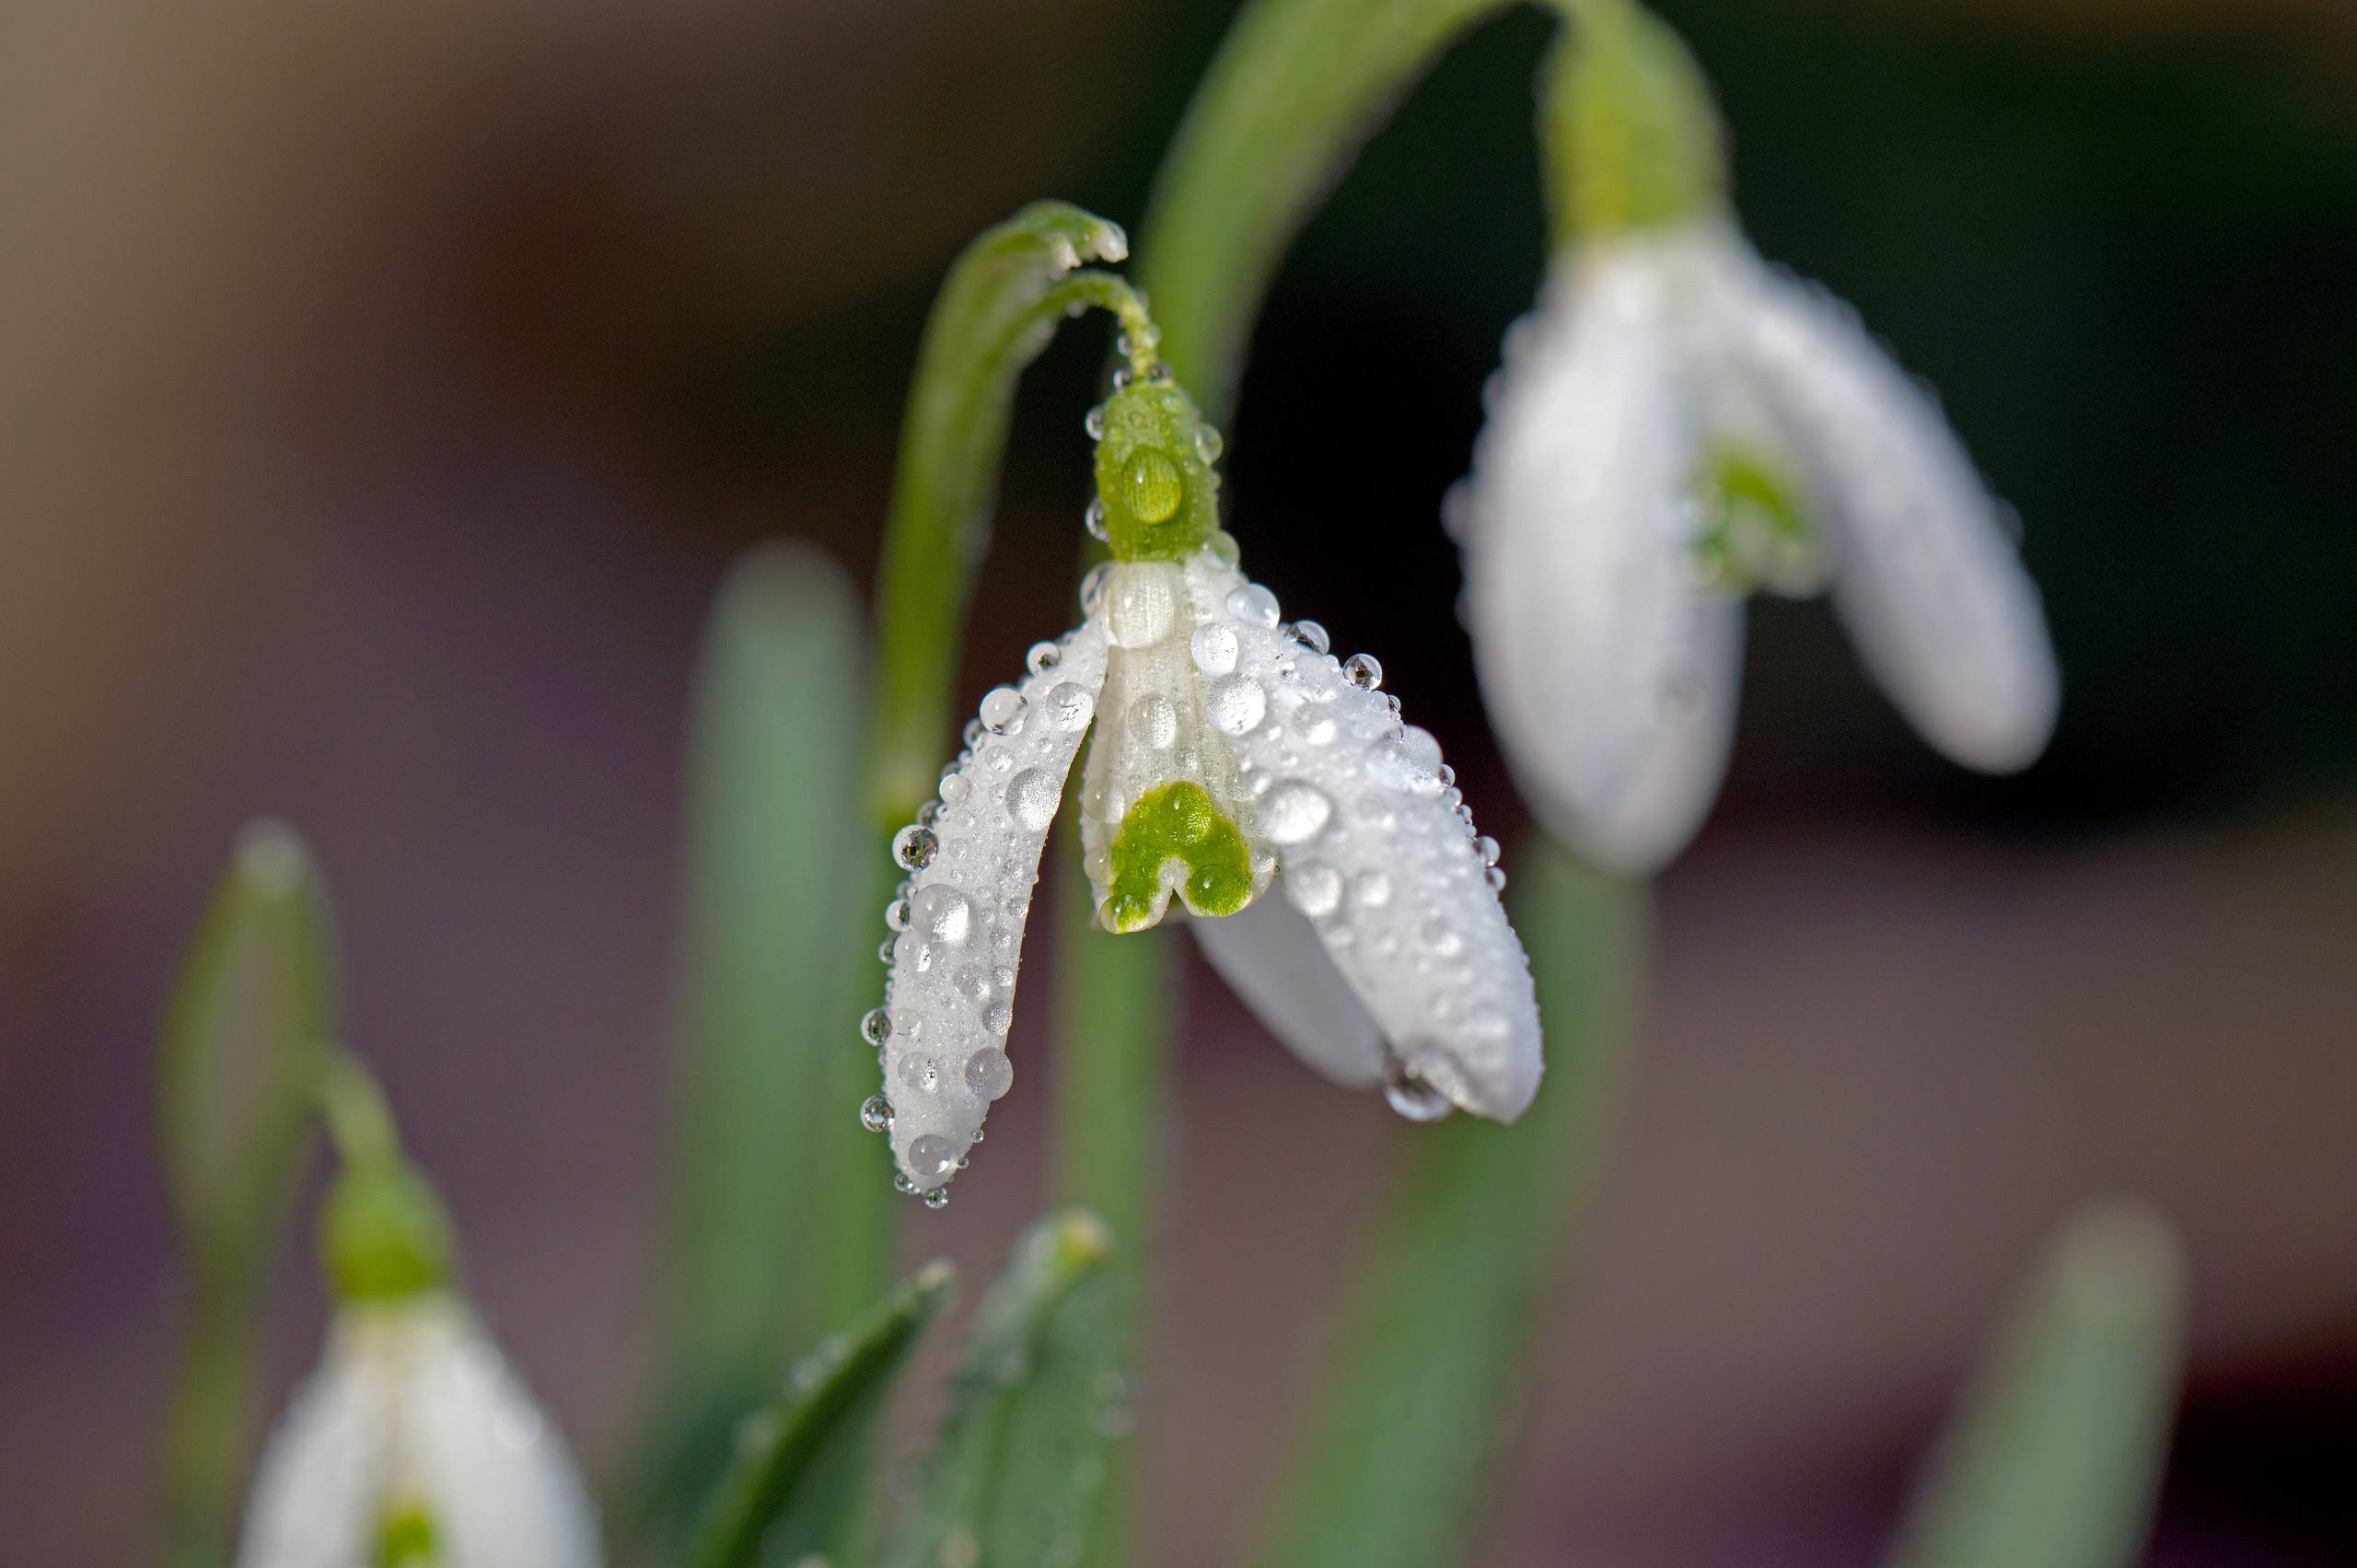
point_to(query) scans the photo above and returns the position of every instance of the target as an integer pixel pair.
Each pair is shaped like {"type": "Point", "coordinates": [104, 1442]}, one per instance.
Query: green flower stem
{"type": "Point", "coordinates": [997, 311]}
{"type": "Point", "coordinates": [1294, 89]}
{"type": "Point", "coordinates": [254, 1007]}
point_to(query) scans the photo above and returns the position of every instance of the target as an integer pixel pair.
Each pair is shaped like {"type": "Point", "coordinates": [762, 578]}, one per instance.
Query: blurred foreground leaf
{"type": "Point", "coordinates": [248, 1026]}
{"type": "Point", "coordinates": [1469, 1239]}
{"type": "Point", "coordinates": [1035, 1401]}
{"type": "Point", "coordinates": [795, 1473]}
{"type": "Point", "coordinates": [2055, 1454]}
{"type": "Point", "coordinates": [769, 1070]}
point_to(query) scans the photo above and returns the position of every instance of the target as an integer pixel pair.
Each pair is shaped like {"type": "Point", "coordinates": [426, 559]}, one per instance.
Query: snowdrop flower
{"type": "Point", "coordinates": [414, 1443]}
{"type": "Point", "coordinates": [1238, 772]}
{"type": "Point", "coordinates": [1678, 425]}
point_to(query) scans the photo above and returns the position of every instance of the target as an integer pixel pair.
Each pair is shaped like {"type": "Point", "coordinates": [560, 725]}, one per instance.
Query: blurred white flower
{"type": "Point", "coordinates": [414, 1442]}
{"type": "Point", "coordinates": [1678, 425]}
{"type": "Point", "coordinates": [1230, 750]}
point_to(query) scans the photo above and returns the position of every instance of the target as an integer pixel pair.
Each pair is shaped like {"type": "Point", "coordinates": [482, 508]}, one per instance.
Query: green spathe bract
{"type": "Point", "coordinates": [1161, 498]}
{"type": "Point", "coordinates": [1176, 822]}
{"type": "Point", "coordinates": [1631, 133]}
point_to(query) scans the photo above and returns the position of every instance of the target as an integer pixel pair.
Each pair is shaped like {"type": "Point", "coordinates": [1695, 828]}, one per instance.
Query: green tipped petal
{"type": "Point", "coordinates": [1631, 133]}
{"type": "Point", "coordinates": [1757, 530]}
{"type": "Point", "coordinates": [407, 1537]}
{"type": "Point", "coordinates": [1154, 472]}
{"type": "Point", "coordinates": [1175, 839]}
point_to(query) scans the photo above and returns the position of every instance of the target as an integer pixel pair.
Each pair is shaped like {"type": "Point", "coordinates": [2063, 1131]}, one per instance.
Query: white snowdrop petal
{"type": "Point", "coordinates": [1271, 958]}
{"type": "Point", "coordinates": [1608, 670]}
{"type": "Point", "coordinates": [414, 1405]}
{"type": "Point", "coordinates": [951, 990]}
{"type": "Point", "coordinates": [1429, 958]}
{"type": "Point", "coordinates": [1930, 584]}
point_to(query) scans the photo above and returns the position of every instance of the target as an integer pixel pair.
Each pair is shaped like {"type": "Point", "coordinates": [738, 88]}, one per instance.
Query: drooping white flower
{"type": "Point", "coordinates": [414, 1432]}
{"type": "Point", "coordinates": [1230, 751]}
{"type": "Point", "coordinates": [1679, 424]}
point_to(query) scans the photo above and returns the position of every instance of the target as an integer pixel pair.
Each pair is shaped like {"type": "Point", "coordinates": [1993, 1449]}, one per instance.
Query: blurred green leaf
{"type": "Point", "coordinates": [1469, 1240]}
{"type": "Point", "coordinates": [769, 1069]}
{"type": "Point", "coordinates": [248, 1025]}
{"type": "Point", "coordinates": [1035, 1404]}
{"type": "Point", "coordinates": [2055, 1454]}
{"type": "Point", "coordinates": [793, 1480]}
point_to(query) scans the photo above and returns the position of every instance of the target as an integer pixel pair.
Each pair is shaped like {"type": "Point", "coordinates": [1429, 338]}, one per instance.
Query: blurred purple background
{"type": "Point", "coordinates": [384, 390]}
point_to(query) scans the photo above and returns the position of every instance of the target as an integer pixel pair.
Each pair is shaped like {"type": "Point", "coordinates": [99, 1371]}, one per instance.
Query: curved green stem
{"type": "Point", "coordinates": [997, 311]}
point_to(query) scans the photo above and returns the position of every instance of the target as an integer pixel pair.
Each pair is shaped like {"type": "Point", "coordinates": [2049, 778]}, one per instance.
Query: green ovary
{"type": "Point", "coordinates": [1176, 822]}
{"type": "Point", "coordinates": [406, 1538]}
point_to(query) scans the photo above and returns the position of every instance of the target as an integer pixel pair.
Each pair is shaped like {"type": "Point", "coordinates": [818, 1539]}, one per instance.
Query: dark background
{"type": "Point", "coordinates": [382, 391]}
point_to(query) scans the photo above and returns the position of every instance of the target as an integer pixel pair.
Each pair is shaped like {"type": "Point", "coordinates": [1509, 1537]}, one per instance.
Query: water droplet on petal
{"type": "Point", "coordinates": [931, 1155]}
{"type": "Point", "coordinates": [1311, 634]}
{"type": "Point", "coordinates": [1295, 812]}
{"type": "Point", "coordinates": [1091, 586]}
{"type": "Point", "coordinates": [1031, 798]}
{"type": "Point", "coordinates": [914, 848]}
{"type": "Point", "coordinates": [1001, 709]}
{"type": "Point", "coordinates": [1362, 671]}
{"type": "Point", "coordinates": [1415, 1099]}
{"type": "Point", "coordinates": [876, 1113]}
{"type": "Point", "coordinates": [1094, 423]}
{"type": "Point", "coordinates": [941, 913]}
{"type": "Point", "coordinates": [1223, 547]}
{"type": "Point", "coordinates": [1234, 703]}
{"type": "Point", "coordinates": [1214, 649]}
{"type": "Point", "coordinates": [1043, 656]}
{"type": "Point", "coordinates": [876, 1026]}
{"type": "Point", "coordinates": [1093, 519]}
{"type": "Point", "coordinates": [1253, 605]}
{"type": "Point", "coordinates": [989, 1074]}
{"type": "Point", "coordinates": [1409, 761]}
{"type": "Point", "coordinates": [937, 1198]}
{"type": "Point", "coordinates": [1070, 707]}
{"type": "Point", "coordinates": [1152, 722]}
{"type": "Point", "coordinates": [1208, 444]}
{"type": "Point", "coordinates": [1315, 887]}
{"type": "Point", "coordinates": [1489, 850]}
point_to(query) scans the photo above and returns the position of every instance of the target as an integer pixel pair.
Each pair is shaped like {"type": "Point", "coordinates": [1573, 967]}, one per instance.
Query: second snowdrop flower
{"type": "Point", "coordinates": [1679, 425]}
{"type": "Point", "coordinates": [1233, 756]}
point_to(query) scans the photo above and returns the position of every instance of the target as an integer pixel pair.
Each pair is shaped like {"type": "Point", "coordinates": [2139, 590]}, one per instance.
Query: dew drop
{"type": "Point", "coordinates": [1295, 812]}
{"type": "Point", "coordinates": [1153, 487]}
{"type": "Point", "coordinates": [1363, 670]}
{"type": "Point", "coordinates": [937, 1197]}
{"type": "Point", "coordinates": [1031, 798]}
{"type": "Point", "coordinates": [917, 1072]}
{"type": "Point", "coordinates": [941, 913]}
{"type": "Point", "coordinates": [1153, 721]}
{"type": "Point", "coordinates": [1208, 444]}
{"type": "Point", "coordinates": [989, 1074]}
{"type": "Point", "coordinates": [1312, 635]}
{"type": "Point", "coordinates": [1235, 704]}
{"type": "Point", "coordinates": [997, 1016]}
{"type": "Point", "coordinates": [1143, 609]}
{"type": "Point", "coordinates": [931, 1155]}
{"type": "Point", "coordinates": [914, 847]}
{"type": "Point", "coordinates": [1253, 605]}
{"type": "Point", "coordinates": [1409, 761]}
{"type": "Point", "coordinates": [1372, 889]}
{"type": "Point", "coordinates": [1320, 731]}
{"type": "Point", "coordinates": [1001, 709]}
{"type": "Point", "coordinates": [1070, 707]}
{"type": "Point", "coordinates": [876, 1026]}
{"type": "Point", "coordinates": [896, 914]}
{"type": "Point", "coordinates": [1439, 937]}
{"type": "Point", "coordinates": [1496, 877]}
{"type": "Point", "coordinates": [1315, 887]}
{"type": "Point", "coordinates": [1043, 657]}
{"type": "Point", "coordinates": [1413, 1098]}
{"type": "Point", "coordinates": [1213, 648]}
{"type": "Point", "coordinates": [1488, 849]}
{"type": "Point", "coordinates": [876, 1113]}
{"type": "Point", "coordinates": [1094, 423]}
{"type": "Point", "coordinates": [1091, 586]}
{"type": "Point", "coordinates": [1223, 547]}
{"type": "Point", "coordinates": [953, 788]}
{"type": "Point", "coordinates": [1093, 519]}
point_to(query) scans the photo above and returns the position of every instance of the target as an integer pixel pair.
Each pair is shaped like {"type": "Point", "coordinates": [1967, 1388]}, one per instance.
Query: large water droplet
{"type": "Point", "coordinates": [914, 848]}
{"type": "Point", "coordinates": [941, 913]}
{"type": "Point", "coordinates": [1214, 649]}
{"type": "Point", "coordinates": [1153, 487]}
{"type": "Point", "coordinates": [989, 1074]}
{"type": "Point", "coordinates": [1144, 608]}
{"type": "Point", "coordinates": [1315, 887]}
{"type": "Point", "coordinates": [1001, 709]}
{"type": "Point", "coordinates": [1295, 812]}
{"type": "Point", "coordinates": [1069, 707]}
{"type": "Point", "coordinates": [1363, 670]}
{"type": "Point", "coordinates": [931, 1155]}
{"type": "Point", "coordinates": [1234, 703]}
{"type": "Point", "coordinates": [1253, 605]}
{"type": "Point", "coordinates": [1153, 721]}
{"type": "Point", "coordinates": [1031, 798]}
{"type": "Point", "coordinates": [1312, 635]}
{"type": "Point", "coordinates": [1409, 760]}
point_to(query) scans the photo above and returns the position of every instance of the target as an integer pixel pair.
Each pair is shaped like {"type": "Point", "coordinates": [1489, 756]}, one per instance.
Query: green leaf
{"type": "Point", "coordinates": [769, 1070]}
{"type": "Point", "coordinates": [2055, 1454]}
{"type": "Point", "coordinates": [1036, 1402]}
{"type": "Point", "coordinates": [786, 1484]}
{"type": "Point", "coordinates": [247, 1027]}
{"type": "Point", "coordinates": [1467, 1246]}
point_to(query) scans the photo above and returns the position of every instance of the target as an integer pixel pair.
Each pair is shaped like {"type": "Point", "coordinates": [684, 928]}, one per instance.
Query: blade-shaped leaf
{"type": "Point", "coordinates": [793, 1458]}
{"type": "Point", "coordinates": [248, 1027]}
{"type": "Point", "coordinates": [768, 1069]}
{"type": "Point", "coordinates": [1035, 1401]}
{"type": "Point", "coordinates": [2056, 1453]}
{"type": "Point", "coordinates": [1468, 1242]}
